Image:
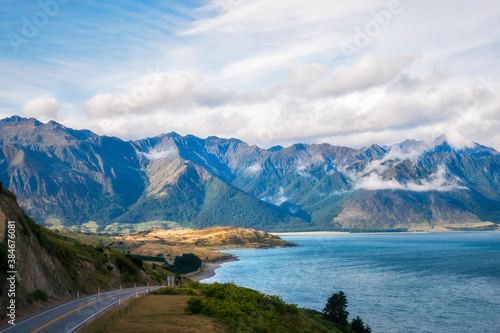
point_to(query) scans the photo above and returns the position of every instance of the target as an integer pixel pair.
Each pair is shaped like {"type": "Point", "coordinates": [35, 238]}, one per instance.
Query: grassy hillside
{"type": "Point", "coordinates": [167, 244]}
{"type": "Point", "coordinates": [211, 308]}
{"type": "Point", "coordinates": [171, 243]}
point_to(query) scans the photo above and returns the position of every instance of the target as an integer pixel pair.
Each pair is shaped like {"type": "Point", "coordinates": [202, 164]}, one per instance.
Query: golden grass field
{"type": "Point", "coordinates": [172, 243]}
{"type": "Point", "coordinates": [154, 314]}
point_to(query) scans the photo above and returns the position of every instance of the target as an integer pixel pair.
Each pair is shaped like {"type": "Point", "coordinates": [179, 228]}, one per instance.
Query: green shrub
{"type": "Point", "coordinates": [194, 305]}
{"type": "Point", "coordinates": [168, 291]}
{"type": "Point", "coordinates": [243, 309]}
{"type": "Point", "coordinates": [124, 265]}
{"type": "Point", "coordinates": [174, 291]}
{"type": "Point", "coordinates": [188, 263]}
{"type": "Point", "coordinates": [40, 295]}
{"type": "Point", "coordinates": [136, 261]}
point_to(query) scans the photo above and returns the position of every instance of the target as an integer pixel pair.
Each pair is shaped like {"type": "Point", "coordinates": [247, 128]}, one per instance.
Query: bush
{"type": "Point", "coordinates": [40, 295]}
{"type": "Point", "coordinates": [243, 309]}
{"type": "Point", "coordinates": [136, 261]}
{"type": "Point", "coordinates": [188, 263]}
{"type": "Point", "coordinates": [194, 305]}
{"type": "Point", "coordinates": [174, 291]}
{"type": "Point", "coordinates": [124, 265]}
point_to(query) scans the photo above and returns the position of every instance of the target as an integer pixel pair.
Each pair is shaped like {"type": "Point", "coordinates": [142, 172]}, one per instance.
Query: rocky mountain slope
{"type": "Point", "coordinates": [51, 267]}
{"type": "Point", "coordinates": [77, 179]}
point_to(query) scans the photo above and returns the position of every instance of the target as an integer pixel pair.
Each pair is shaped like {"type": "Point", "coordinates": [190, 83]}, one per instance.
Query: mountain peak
{"type": "Point", "coordinates": [173, 134]}
{"type": "Point", "coordinates": [440, 140]}
{"type": "Point", "coordinates": [18, 119]}
{"type": "Point", "coordinates": [275, 149]}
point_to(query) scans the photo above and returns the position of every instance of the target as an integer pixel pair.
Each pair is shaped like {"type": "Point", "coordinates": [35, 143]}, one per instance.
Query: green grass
{"type": "Point", "coordinates": [246, 310]}
{"type": "Point", "coordinates": [214, 308]}
{"type": "Point", "coordinates": [89, 238]}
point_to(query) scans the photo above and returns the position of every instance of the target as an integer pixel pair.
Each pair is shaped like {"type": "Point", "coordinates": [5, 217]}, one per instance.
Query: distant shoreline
{"type": "Point", "coordinates": [208, 269]}
{"type": "Point", "coordinates": [312, 233]}
{"type": "Point", "coordinates": [300, 233]}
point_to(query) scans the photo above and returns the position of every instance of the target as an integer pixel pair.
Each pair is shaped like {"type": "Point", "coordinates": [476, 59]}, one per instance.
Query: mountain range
{"type": "Point", "coordinates": [76, 179]}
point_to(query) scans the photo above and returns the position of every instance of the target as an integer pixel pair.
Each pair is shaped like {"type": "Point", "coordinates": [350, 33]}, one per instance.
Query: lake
{"type": "Point", "coordinates": [396, 282]}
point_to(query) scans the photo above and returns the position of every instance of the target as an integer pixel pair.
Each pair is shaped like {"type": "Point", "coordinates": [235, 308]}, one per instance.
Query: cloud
{"type": "Point", "coordinates": [154, 155]}
{"type": "Point", "coordinates": [279, 58]}
{"type": "Point", "coordinates": [43, 109]}
{"type": "Point", "coordinates": [371, 177]}
{"type": "Point", "coordinates": [278, 199]}
{"type": "Point", "coordinates": [435, 182]}
{"type": "Point", "coordinates": [159, 91]}
{"type": "Point", "coordinates": [150, 93]}
{"type": "Point", "coordinates": [314, 80]}
{"type": "Point", "coordinates": [254, 169]}
{"type": "Point", "coordinates": [270, 16]}
{"type": "Point", "coordinates": [267, 72]}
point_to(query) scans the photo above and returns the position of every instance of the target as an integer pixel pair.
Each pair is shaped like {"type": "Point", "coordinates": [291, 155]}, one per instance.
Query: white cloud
{"type": "Point", "coordinates": [435, 182]}
{"type": "Point", "coordinates": [271, 72]}
{"type": "Point", "coordinates": [254, 169]}
{"type": "Point", "coordinates": [268, 16]}
{"type": "Point", "coordinates": [154, 155]}
{"type": "Point", "coordinates": [44, 109]}
{"type": "Point", "coordinates": [278, 59]}
{"type": "Point", "coordinates": [318, 81]}
{"type": "Point", "coordinates": [150, 93]}
{"type": "Point", "coordinates": [277, 199]}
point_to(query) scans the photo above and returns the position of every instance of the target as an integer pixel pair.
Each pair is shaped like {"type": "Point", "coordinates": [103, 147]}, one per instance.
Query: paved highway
{"type": "Point", "coordinates": [71, 316]}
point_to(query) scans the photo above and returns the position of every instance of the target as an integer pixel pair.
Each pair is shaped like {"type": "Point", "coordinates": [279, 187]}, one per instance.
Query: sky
{"type": "Point", "coordinates": [349, 73]}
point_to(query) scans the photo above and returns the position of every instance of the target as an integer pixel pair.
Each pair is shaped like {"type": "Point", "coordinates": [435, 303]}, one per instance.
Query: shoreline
{"type": "Point", "coordinates": [304, 233]}
{"type": "Point", "coordinates": [208, 269]}
{"type": "Point", "coordinates": [311, 233]}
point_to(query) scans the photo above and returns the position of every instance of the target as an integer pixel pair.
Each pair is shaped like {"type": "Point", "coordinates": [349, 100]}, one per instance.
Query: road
{"type": "Point", "coordinates": [70, 316]}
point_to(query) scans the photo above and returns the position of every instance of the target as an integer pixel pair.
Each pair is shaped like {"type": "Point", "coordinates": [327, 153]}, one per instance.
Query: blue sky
{"type": "Point", "coordinates": [268, 72]}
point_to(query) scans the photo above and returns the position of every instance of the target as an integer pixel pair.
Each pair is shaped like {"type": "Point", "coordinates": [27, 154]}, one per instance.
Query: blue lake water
{"type": "Point", "coordinates": [436, 282]}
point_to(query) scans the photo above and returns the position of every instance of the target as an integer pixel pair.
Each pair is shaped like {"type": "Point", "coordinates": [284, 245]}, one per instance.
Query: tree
{"type": "Point", "coordinates": [189, 262]}
{"type": "Point", "coordinates": [335, 309]}
{"type": "Point", "coordinates": [357, 325]}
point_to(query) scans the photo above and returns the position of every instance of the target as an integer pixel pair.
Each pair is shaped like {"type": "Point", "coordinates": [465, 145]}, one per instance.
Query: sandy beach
{"type": "Point", "coordinates": [301, 233]}
{"type": "Point", "coordinates": [208, 269]}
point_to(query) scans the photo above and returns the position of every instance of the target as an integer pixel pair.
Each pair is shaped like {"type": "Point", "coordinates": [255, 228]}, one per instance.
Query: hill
{"type": "Point", "coordinates": [78, 180]}
{"type": "Point", "coordinates": [212, 238]}
{"type": "Point", "coordinates": [160, 245]}
{"type": "Point", "coordinates": [50, 268]}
